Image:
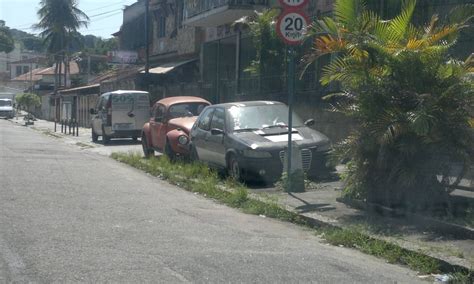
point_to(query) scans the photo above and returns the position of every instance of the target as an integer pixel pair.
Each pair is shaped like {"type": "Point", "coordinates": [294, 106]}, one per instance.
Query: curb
{"type": "Point", "coordinates": [432, 223]}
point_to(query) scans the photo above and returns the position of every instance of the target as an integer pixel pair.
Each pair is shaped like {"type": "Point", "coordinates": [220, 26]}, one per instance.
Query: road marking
{"type": "Point", "coordinates": [15, 265]}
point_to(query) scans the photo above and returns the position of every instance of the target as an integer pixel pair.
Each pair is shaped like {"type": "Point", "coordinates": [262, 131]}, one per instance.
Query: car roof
{"type": "Point", "coordinates": [248, 103]}
{"type": "Point", "coordinates": [119, 92]}
{"type": "Point", "coordinates": [181, 99]}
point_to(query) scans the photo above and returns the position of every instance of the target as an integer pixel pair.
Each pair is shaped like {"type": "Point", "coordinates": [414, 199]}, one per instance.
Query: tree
{"type": "Point", "coordinates": [59, 22]}
{"type": "Point", "coordinates": [6, 40]}
{"type": "Point", "coordinates": [28, 100]}
{"type": "Point", "coordinates": [270, 58]}
{"type": "Point", "coordinates": [410, 99]}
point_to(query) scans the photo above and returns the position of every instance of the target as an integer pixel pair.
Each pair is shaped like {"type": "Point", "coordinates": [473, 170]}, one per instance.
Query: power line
{"type": "Point", "coordinates": [104, 13]}
{"type": "Point", "coordinates": [110, 5]}
{"type": "Point", "coordinates": [108, 16]}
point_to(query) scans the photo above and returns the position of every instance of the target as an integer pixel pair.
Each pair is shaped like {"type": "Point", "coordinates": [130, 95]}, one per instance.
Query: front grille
{"type": "Point", "coordinates": [306, 157]}
{"type": "Point", "coordinates": [5, 113]}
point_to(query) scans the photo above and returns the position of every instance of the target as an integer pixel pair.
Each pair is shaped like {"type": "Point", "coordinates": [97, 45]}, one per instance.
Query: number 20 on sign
{"type": "Point", "coordinates": [291, 26]}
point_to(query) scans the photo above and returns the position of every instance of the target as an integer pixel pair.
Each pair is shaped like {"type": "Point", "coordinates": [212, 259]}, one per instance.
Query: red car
{"type": "Point", "coordinates": [168, 129]}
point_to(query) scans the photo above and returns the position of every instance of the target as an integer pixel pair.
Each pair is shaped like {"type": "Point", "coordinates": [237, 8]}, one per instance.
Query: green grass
{"type": "Point", "coordinates": [196, 177]}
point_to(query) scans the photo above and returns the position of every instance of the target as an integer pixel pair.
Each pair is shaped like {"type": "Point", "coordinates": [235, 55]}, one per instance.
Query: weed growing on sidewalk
{"type": "Point", "coordinates": [197, 177]}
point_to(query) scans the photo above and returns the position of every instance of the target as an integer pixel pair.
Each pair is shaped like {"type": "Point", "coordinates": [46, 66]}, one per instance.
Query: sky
{"type": "Point", "coordinates": [105, 15]}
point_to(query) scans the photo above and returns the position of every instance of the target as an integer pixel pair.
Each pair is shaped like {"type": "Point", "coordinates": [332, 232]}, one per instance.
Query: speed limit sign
{"type": "Point", "coordinates": [294, 4]}
{"type": "Point", "coordinates": [291, 26]}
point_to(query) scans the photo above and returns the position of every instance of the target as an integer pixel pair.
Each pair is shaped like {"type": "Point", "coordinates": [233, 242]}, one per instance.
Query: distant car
{"type": "Point", "coordinates": [120, 114]}
{"type": "Point", "coordinates": [7, 108]}
{"type": "Point", "coordinates": [249, 139]}
{"type": "Point", "coordinates": [168, 128]}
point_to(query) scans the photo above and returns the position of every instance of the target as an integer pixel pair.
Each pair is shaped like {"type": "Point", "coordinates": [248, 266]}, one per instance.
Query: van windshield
{"type": "Point", "coordinates": [4, 103]}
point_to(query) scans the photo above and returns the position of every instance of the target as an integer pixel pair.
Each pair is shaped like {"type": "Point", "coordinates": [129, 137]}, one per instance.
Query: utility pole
{"type": "Point", "coordinates": [147, 40]}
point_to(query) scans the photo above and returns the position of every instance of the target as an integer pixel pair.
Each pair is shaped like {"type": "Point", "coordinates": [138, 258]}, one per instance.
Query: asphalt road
{"type": "Point", "coordinates": [71, 215]}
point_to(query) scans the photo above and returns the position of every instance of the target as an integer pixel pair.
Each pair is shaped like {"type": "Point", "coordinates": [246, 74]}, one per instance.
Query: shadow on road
{"type": "Point", "coordinates": [119, 142]}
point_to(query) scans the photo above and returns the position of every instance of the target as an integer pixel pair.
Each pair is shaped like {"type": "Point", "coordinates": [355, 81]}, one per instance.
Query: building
{"type": "Point", "coordinates": [18, 62]}
{"type": "Point", "coordinates": [174, 48]}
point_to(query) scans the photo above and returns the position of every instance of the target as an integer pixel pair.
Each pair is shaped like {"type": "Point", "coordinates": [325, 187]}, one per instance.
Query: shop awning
{"type": "Point", "coordinates": [168, 67]}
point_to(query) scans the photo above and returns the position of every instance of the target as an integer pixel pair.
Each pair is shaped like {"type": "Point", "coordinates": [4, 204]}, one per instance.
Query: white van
{"type": "Point", "coordinates": [120, 114]}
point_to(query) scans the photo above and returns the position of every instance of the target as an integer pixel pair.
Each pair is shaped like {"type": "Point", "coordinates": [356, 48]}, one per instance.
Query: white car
{"type": "Point", "coordinates": [7, 109]}
{"type": "Point", "coordinates": [120, 114]}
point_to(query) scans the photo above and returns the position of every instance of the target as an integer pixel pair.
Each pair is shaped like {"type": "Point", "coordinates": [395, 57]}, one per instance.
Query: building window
{"type": "Point", "coordinates": [18, 71]}
{"type": "Point", "coordinates": [26, 69]}
{"type": "Point", "coordinates": [161, 26]}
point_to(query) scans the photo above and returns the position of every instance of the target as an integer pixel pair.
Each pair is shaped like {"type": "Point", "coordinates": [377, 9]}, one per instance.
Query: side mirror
{"type": "Point", "coordinates": [309, 122]}
{"type": "Point", "coordinates": [92, 111]}
{"type": "Point", "coordinates": [217, 131]}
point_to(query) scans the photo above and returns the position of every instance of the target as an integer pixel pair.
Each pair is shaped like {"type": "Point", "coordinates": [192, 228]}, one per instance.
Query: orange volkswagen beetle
{"type": "Point", "coordinates": [168, 128]}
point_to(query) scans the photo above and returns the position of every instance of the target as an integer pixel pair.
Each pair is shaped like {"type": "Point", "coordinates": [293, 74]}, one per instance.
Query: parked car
{"type": "Point", "coordinates": [120, 114]}
{"type": "Point", "coordinates": [168, 128]}
{"type": "Point", "coordinates": [249, 139]}
{"type": "Point", "coordinates": [7, 108]}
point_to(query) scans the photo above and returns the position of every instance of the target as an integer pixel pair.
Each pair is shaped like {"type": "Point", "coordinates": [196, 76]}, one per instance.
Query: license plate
{"type": "Point", "coordinates": [123, 126]}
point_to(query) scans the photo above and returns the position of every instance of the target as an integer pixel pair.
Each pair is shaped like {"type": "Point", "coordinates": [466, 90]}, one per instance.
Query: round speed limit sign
{"type": "Point", "coordinates": [294, 4]}
{"type": "Point", "coordinates": [291, 26]}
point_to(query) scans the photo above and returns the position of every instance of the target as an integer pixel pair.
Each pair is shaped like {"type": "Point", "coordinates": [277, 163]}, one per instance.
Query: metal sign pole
{"type": "Point", "coordinates": [291, 91]}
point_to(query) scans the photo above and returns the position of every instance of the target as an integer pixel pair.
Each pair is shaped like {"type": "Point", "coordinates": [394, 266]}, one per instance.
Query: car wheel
{"type": "Point", "coordinates": [234, 169]}
{"type": "Point", "coordinates": [169, 151]}
{"type": "Point", "coordinates": [105, 138]}
{"type": "Point", "coordinates": [147, 151]}
{"type": "Point", "coordinates": [95, 137]}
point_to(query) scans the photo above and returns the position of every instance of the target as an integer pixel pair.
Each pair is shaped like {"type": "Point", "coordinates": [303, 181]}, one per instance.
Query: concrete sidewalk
{"type": "Point", "coordinates": [320, 202]}
{"type": "Point", "coordinates": [83, 139]}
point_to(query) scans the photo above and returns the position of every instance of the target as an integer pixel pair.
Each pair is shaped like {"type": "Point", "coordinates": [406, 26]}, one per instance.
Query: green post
{"type": "Point", "coordinates": [291, 93]}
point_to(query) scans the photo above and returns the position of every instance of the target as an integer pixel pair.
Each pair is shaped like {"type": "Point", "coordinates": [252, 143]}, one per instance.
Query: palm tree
{"type": "Point", "coordinates": [6, 40]}
{"type": "Point", "coordinates": [59, 22]}
{"type": "Point", "coordinates": [410, 99]}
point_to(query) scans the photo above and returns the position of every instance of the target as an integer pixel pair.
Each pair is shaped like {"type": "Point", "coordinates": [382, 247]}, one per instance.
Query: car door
{"type": "Point", "coordinates": [215, 142]}
{"type": "Point", "coordinates": [201, 134]}
{"type": "Point", "coordinates": [157, 126]}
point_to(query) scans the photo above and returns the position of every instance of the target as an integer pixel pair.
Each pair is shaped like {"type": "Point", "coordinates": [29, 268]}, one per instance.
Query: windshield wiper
{"type": "Point", "coordinates": [275, 126]}
{"type": "Point", "coordinates": [246, 129]}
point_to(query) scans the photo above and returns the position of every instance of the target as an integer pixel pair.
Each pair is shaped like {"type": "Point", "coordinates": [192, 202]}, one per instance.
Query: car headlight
{"type": "Point", "coordinates": [256, 154]}
{"type": "Point", "coordinates": [183, 139]}
{"type": "Point", "coordinates": [323, 147]}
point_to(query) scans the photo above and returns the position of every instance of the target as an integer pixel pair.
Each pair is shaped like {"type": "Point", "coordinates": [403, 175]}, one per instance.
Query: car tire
{"type": "Point", "coordinates": [169, 151]}
{"type": "Point", "coordinates": [105, 138]}
{"type": "Point", "coordinates": [95, 137]}
{"type": "Point", "coordinates": [146, 150]}
{"type": "Point", "coordinates": [233, 168]}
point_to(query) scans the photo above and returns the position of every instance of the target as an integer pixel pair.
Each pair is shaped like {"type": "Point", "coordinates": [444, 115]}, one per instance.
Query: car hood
{"type": "Point", "coordinates": [277, 138]}
{"type": "Point", "coordinates": [8, 108]}
{"type": "Point", "coordinates": [185, 123]}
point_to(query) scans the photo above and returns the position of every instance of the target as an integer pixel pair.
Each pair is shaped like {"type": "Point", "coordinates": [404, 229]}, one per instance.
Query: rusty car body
{"type": "Point", "coordinates": [168, 129]}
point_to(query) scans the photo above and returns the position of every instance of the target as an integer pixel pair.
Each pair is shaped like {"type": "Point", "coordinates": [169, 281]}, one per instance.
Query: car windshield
{"type": "Point", "coordinates": [5, 103]}
{"type": "Point", "coordinates": [260, 117]}
{"type": "Point", "coordinates": [186, 109]}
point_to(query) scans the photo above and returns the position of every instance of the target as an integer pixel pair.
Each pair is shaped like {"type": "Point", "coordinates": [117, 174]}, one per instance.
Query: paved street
{"type": "Point", "coordinates": [70, 215]}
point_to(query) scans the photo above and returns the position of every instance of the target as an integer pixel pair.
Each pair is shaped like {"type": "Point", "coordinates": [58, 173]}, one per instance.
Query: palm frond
{"type": "Point", "coordinates": [346, 12]}
{"type": "Point", "coordinates": [398, 26]}
{"type": "Point", "coordinates": [338, 70]}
